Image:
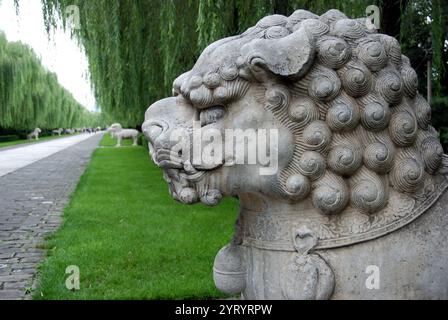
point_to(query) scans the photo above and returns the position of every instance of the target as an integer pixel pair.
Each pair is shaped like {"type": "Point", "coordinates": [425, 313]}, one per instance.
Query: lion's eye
{"type": "Point", "coordinates": [211, 115]}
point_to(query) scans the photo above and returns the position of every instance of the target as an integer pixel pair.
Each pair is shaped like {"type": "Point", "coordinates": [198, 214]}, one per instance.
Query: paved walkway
{"type": "Point", "coordinates": [16, 158]}
{"type": "Point", "coordinates": [32, 198]}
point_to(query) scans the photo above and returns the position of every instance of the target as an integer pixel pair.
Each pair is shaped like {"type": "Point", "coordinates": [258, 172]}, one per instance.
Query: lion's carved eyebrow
{"type": "Point", "coordinates": [212, 103]}
{"type": "Point", "coordinates": [202, 95]}
{"type": "Point", "coordinates": [184, 99]}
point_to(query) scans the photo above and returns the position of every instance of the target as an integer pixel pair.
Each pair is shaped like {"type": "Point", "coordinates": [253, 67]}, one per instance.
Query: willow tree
{"type": "Point", "coordinates": [136, 48]}
{"type": "Point", "coordinates": [31, 96]}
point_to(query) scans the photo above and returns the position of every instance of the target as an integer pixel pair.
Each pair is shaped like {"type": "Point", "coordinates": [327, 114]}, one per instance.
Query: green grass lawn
{"type": "Point", "coordinates": [15, 142]}
{"type": "Point", "coordinates": [107, 141]}
{"type": "Point", "coordinates": [129, 239]}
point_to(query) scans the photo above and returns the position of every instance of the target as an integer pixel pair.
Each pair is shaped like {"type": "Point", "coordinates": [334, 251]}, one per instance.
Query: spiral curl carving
{"type": "Point", "coordinates": [403, 128]}
{"type": "Point", "coordinates": [271, 21]}
{"type": "Point", "coordinates": [298, 16]}
{"type": "Point", "coordinates": [345, 159]}
{"type": "Point", "coordinates": [390, 86]}
{"type": "Point", "coordinates": [368, 195]}
{"type": "Point", "coordinates": [212, 80]}
{"type": "Point", "coordinates": [228, 72]}
{"type": "Point", "coordinates": [317, 135]}
{"type": "Point", "coordinates": [332, 16]}
{"type": "Point", "coordinates": [314, 27]}
{"type": "Point", "coordinates": [342, 116]}
{"type": "Point", "coordinates": [312, 165]}
{"type": "Point", "coordinates": [375, 116]}
{"type": "Point", "coordinates": [357, 80]}
{"type": "Point", "coordinates": [349, 29]}
{"type": "Point", "coordinates": [422, 112]}
{"type": "Point", "coordinates": [277, 97]}
{"type": "Point", "coordinates": [325, 86]}
{"type": "Point", "coordinates": [392, 48]}
{"type": "Point", "coordinates": [276, 32]}
{"type": "Point", "coordinates": [334, 52]}
{"type": "Point", "coordinates": [407, 175]}
{"type": "Point", "coordinates": [303, 111]}
{"type": "Point", "coordinates": [298, 186]}
{"type": "Point", "coordinates": [331, 198]}
{"type": "Point", "coordinates": [410, 81]}
{"type": "Point", "coordinates": [432, 153]}
{"type": "Point", "coordinates": [378, 157]}
{"type": "Point", "coordinates": [373, 55]}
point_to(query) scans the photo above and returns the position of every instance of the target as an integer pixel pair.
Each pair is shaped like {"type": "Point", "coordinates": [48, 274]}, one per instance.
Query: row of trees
{"type": "Point", "coordinates": [30, 96]}
{"type": "Point", "coordinates": [137, 47]}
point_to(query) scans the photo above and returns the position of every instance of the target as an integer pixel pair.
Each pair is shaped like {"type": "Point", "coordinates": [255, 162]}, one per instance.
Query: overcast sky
{"type": "Point", "coordinates": [61, 54]}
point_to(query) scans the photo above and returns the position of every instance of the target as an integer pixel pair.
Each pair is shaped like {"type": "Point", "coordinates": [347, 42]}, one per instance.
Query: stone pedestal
{"type": "Point", "coordinates": [410, 263]}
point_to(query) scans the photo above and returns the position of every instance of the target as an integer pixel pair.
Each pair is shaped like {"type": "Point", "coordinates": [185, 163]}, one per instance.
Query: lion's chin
{"type": "Point", "coordinates": [191, 188]}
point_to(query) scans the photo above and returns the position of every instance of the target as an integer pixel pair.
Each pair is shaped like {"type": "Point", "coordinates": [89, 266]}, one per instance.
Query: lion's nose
{"type": "Point", "coordinates": [153, 129]}
{"type": "Point", "coordinates": [164, 119]}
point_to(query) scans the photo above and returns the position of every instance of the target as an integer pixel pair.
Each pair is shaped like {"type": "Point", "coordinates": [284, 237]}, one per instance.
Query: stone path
{"type": "Point", "coordinates": [31, 202]}
{"type": "Point", "coordinates": [18, 157]}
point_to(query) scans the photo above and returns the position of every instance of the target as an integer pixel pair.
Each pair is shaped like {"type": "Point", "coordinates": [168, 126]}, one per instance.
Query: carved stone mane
{"type": "Point", "coordinates": [359, 159]}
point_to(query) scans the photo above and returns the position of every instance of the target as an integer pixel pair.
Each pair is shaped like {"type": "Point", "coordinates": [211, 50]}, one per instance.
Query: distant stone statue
{"type": "Point", "coordinates": [355, 206]}
{"type": "Point", "coordinates": [57, 131]}
{"type": "Point", "coordinates": [34, 134]}
{"type": "Point", "coordinates": [118, 132]}
{"type": "Point", "coordinates": [110, 129]}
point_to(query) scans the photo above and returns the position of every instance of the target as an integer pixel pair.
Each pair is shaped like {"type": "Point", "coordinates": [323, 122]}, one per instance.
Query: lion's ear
{"type": "Point", "coordinates": [290, 56]}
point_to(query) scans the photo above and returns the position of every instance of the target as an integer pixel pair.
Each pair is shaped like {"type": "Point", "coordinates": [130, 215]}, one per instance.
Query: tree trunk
{"type": "Point", "coordinates": [281, 7]}
{"type": "Point", "coordinates": [391, 16]}
{"type": "Point", "coordinates": [428, 79]}
{"type": "Point", "coordinates": [235, 22]}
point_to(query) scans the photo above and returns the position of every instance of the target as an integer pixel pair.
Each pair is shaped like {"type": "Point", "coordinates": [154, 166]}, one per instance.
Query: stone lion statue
{"type": "Point", "coordinates": [34, 134]}
{"type": "Point", "coordinates": [356, 209]}
{"type": "Point", "coordinates": [117, 131]}
{"type": "Point", "coordinates": [57, 131]}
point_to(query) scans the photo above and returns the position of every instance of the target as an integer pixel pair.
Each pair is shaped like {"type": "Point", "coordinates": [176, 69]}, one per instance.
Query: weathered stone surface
{"type": "Point", "coordinates": [412, 263]}
{"type": "Point", "coordinates": [12, 294]}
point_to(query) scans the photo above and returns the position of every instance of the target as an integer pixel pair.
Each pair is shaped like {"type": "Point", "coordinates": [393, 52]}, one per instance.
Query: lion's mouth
{"type": "Point", "coordinates": [173, 162]}
{"type": "Point", "coordinates": [186, 183]}
{"type": "Point", "coordinates": [167, 159]}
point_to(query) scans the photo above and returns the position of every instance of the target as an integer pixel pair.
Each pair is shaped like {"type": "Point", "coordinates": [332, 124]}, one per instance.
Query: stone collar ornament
{"type": "Point", "coordinates": [357, 157]}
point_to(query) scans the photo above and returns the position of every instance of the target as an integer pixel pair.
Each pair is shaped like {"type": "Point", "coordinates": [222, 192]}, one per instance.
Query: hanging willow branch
{"type": "Point", "coordinates": [136, 48]}
{"type": "Point", "coordinates": [30, 96]}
